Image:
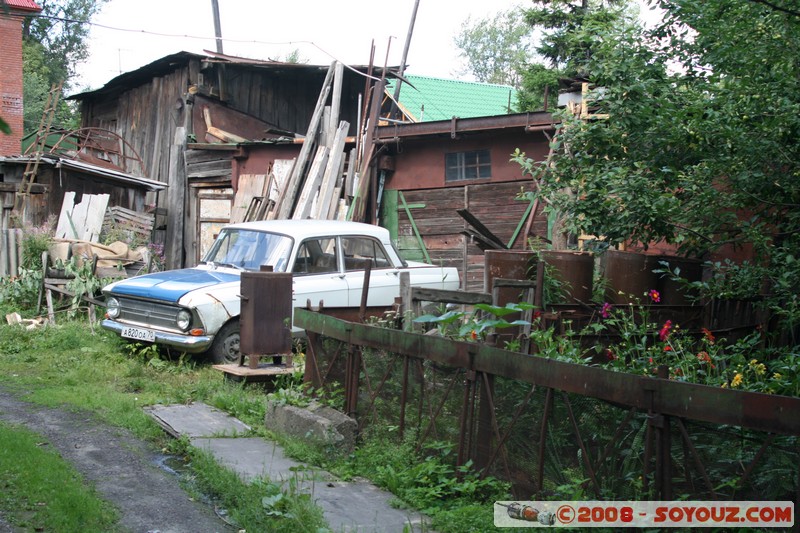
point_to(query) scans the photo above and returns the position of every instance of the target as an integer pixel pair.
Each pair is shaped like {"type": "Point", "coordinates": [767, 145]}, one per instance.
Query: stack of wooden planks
{"type": "Point", "coordinates": [316, 184]}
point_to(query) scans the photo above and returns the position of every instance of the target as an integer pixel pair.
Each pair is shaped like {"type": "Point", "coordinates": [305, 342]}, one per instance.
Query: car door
{"type": "Point", "coordinates": [384, 282]}
{"type": "Point", "coordinates": [317, 275]}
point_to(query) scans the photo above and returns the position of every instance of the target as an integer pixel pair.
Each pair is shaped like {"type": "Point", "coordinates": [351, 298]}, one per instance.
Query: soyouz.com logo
{"type": "Point", "coordinates": [644, 514]}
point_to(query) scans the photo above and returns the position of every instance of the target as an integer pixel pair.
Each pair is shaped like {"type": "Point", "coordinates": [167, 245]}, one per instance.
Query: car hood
{"type": "Point", "coordinates": [171, 285]}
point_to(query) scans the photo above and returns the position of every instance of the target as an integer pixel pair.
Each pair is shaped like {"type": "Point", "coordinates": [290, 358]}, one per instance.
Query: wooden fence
{"type": "Point", "coordinates": [10, 252]}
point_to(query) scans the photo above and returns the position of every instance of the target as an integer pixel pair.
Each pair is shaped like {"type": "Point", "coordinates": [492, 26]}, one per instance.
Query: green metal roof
{"type": "Point", "coordinates": [438, 99]}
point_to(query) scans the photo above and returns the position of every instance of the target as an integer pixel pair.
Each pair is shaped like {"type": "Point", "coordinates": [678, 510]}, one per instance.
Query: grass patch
{"type": "Point", "coordinates": [41, 492]}
{"type": "Point", "coordinates": [259, 505]}
{"type": "Point", "coordinates": [74, 365]}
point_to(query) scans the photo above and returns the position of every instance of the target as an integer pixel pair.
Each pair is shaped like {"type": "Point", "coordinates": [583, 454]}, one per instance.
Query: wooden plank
{"type": "Point", "coordinates": [250, 186]}
{"type": "Point", "coordinates": [176, 202]}
{"type": "Point", "coordinates": [311, 185]}
{"type": "Point", "coordinates": [350, 178]}
{"type": "Point", "coordinates": [284, 183]}
{"type": "Point", "coordinates": [332, 172]}
{"type": "Point", "coordinates": [64, 227]}
{"type": "Point", "coordinates": [95, 214]}
{"type": "Point", "coordinates": [483, 230]}
{"type": "Point", "coordinates": [313, 128]}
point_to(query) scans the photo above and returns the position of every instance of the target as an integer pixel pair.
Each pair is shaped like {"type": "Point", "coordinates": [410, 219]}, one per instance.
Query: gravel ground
{"type": "Point", "coordinates": [122, 468]}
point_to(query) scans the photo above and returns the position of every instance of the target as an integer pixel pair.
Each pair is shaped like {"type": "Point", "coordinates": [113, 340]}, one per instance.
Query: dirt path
{"type": "Point", "coordinates": [121, 467]}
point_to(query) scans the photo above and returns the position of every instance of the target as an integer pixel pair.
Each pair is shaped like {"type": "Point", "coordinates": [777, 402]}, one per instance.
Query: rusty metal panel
{"type": "Point", "coordinates": [266, 316]}
{"type": "Point", "coordinates": [763, 412]}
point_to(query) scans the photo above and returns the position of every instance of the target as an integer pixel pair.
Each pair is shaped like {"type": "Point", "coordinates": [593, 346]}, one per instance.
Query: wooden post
{"type": "Point", "coordinates": [176, 201]}
{"type": "Point", "coordinates": [406, 302]}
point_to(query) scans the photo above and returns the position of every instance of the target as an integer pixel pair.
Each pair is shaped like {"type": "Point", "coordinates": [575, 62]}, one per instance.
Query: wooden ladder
{"type": "Point", "coordinates": [32, 167]}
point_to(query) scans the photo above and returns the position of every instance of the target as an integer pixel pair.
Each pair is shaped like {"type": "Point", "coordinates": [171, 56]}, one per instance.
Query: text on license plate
{"type": "Point", "coordinates": [139, 334]}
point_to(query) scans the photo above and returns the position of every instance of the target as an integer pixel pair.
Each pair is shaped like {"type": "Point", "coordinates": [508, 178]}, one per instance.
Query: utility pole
{"type": "Point", "coordinates": [405, 56]}
{"type": "Point", "coordinates": [217, 26]}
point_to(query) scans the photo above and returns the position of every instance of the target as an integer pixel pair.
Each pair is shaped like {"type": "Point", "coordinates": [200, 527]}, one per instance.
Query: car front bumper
{"type": "Point", "coordinates": [185, 343]}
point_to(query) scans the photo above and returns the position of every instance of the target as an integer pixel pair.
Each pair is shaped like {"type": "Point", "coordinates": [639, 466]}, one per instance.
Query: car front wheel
{"type": "Point", "coordinates": [225, 348]}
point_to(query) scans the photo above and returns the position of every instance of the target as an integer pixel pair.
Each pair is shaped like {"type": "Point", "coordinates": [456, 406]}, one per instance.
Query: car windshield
{"type": "Point", "coordinates": [247, 250]}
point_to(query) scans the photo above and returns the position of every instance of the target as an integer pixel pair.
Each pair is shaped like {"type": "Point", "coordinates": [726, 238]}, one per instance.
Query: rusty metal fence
{"type": "Point", "coordinates": [553, 428]}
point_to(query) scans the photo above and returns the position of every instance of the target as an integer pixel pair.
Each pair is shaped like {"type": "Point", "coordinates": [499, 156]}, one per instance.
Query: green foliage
{"type": "Point", "coordinates": [54, 44]}
{"type": "Point", "coordinates": [257, 506]}
{"type": "Point", "coordinates": [700, 148]}
{"type": "Point", "coordinates": [477, 324]}
{"type": "Point", "coordinates": [432, 483]}
{"type": "Point", "coordinates": [496, 48]}
{"type": "Point", "coordinates": [41, 492]}
{"type": "Point", "coordinates": [20, 293]}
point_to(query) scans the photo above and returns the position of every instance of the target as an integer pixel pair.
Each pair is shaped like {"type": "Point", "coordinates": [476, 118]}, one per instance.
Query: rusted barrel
{"type": "Point", "coordinates": [508, 264]}
{"type": "Point", "coordinates": [574, 271]}
{"type": "Point", "coordinates": [628, 276]}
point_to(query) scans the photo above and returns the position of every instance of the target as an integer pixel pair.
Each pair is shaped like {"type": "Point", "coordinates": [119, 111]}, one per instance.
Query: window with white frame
{"type": "Point", "coordinates": [472, 165]}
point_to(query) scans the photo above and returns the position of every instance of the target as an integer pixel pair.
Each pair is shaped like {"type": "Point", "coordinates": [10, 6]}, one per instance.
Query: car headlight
{"type": "Point", "coordinates": [184, 319]}
{"type": "Point", "coordinates": [112, 307]}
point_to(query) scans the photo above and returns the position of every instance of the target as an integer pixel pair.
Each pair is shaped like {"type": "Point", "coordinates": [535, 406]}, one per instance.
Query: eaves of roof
{"type": "Point", "coordinates": [92, 170]}
{"type": "Point", "coordinates": [526, 122]}
{"type": "Point", "coordinates": [22, 5]}
{"type": "Point", "coordinates": [172, 62]}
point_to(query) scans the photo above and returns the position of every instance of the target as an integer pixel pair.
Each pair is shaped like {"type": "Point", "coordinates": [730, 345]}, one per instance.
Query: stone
{"type": "Point", "coordinates": [316, 422]}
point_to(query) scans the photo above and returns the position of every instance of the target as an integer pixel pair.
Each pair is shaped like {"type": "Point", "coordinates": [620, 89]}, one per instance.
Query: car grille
{"type": "Point", "coordinates": [149, 314]}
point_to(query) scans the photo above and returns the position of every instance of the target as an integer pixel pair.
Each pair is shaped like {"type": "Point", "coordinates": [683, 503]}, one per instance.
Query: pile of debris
{"type": "Point", "coordinates": [81, 225]}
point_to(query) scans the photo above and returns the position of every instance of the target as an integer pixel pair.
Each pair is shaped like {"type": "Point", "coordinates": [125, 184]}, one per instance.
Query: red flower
{"type": "Point", "coordinates": [667, 348]}
{"type": "Point", "coordinates": [651, 360]}
{"type": "Point", "coordinates": [605, 312]}
{"type": "Point", "coordinates": [655, 296]}
{"type": "Point", "coordinates": [664, 333]}
{"type": "Point", "coordinates": [610, 355]}
{"type": "Point", "coordinates": [473, 335]}
{"type": "Point", "coordinates": [709, 336]}
{"type": "Point", "coordinates": [537, 315]}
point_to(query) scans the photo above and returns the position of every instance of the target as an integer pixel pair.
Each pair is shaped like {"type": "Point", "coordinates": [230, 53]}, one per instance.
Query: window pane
{"type": "Point", "coordinates": [475, 164]}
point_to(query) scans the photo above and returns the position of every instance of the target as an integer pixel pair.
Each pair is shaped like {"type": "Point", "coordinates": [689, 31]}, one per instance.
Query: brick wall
{"type": "Point", "coordinates": [11, 83]}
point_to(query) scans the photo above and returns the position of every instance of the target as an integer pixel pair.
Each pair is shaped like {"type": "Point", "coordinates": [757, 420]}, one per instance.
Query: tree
{"type": "Point", "coordinates": [496, 49]}
{"type": "Point", "coordinates": [569, 30]}
{"type": "Point", "coordinates": [54, 43]}
{"type": "Point", "coordinates": [701, 147]}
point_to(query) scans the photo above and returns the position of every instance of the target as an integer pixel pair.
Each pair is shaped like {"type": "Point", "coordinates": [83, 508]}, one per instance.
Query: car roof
{"type": "Point", "coordinates": [305, 228]}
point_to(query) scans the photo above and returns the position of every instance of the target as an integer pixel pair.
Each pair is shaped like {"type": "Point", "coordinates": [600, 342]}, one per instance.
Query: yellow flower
{"type": "Point", "coordinates": [737, 380]}
{"type": "Point", "coordinates": [753, 362]}
{"type": "Point", "coordinates": [725, 385]}
{"type": "Point", "coordinates": [776, 376]}
{"type": "Point", "coordinates": [761, 369]}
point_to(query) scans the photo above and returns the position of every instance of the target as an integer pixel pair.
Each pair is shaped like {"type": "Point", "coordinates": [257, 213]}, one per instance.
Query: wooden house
{"type": "Point", "coordinates": [200, 122]}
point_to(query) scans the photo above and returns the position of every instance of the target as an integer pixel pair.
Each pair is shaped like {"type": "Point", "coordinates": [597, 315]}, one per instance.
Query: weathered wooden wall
{"type": "Point", "coordinates": [434, 215]}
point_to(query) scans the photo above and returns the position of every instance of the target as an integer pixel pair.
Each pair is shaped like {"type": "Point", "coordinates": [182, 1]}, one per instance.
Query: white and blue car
{"type": "Point", "coordinates": [197, 309]}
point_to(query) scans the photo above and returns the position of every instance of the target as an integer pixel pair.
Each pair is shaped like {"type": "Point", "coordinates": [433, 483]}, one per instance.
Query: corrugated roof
{"type": "Point", "coordinates": [93, 170]}
{"type": "Point", "coordinates": [26, 5]}
{"type": "Point", "coordinates": [429, 99]}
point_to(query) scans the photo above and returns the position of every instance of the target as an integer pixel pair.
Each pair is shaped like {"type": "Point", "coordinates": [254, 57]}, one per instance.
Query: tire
{"type": "Point", "coordinates": [225, 348]}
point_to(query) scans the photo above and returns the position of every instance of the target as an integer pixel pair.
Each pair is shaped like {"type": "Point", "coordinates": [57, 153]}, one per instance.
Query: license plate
{"type": "Point", "coordinates": [139, 334]}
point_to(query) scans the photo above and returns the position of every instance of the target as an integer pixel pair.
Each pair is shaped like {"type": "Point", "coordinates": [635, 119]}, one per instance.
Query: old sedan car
{"type": "Point", "coordinates": [197, 309]}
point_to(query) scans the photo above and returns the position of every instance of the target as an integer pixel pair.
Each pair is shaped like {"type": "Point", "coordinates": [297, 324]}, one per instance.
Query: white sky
{"type": "Point", "coordinates": [266, 29]}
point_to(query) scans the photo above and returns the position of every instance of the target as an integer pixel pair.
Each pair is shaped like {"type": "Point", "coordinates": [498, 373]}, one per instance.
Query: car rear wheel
{"type": "Point", "coordinates": [225, 348]}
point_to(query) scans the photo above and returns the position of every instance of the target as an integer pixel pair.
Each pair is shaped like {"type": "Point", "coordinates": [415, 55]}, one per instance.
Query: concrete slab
{"type": "Point", "coordinates": [252, 457]}
{"type": "Point", "coordinates": [348, 507]}
{"type": "Point", "coordinates": [196, 420]}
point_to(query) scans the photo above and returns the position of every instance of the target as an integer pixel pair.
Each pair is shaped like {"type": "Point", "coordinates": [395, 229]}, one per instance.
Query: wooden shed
{"type": "Point", "coordinates": [194, 119]}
